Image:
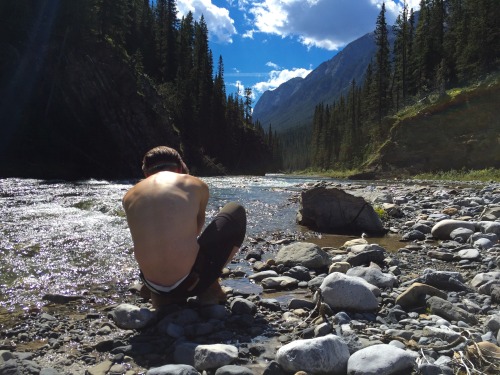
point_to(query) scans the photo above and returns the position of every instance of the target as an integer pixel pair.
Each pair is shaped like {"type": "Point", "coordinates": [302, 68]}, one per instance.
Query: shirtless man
{"type": "Point", "coordinates": [166, 215]}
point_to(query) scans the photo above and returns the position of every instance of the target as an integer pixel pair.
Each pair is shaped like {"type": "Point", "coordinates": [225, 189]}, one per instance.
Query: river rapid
{"type": "Point", "coordinates": [61, 237]}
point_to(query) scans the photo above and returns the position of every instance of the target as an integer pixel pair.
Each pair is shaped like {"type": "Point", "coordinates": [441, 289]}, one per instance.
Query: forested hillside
{"type": "Point", "coordinates": [86, 87]}
{"type": "Point", "coordinates": [454, 44]}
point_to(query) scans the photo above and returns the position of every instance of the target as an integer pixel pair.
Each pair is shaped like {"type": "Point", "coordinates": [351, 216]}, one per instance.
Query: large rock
{"type": "Point", "coordinates": [446, 280]}
{"type": "Point", "coordinates": [490, 213]}
{"type": "Point", "coordinates": [482, 278]}
{"type": "Point", "coordinates": [381, 359]}
{"type": "Point", "coordinates": [443, 229]}
{"type": "Point", "coordinates": [342, 292]}
{"type": "Point", "coordinates": [332, 210]}
{"type": "Point", "coordinates": [374, 276]}
{"type": "Point", "coordinates": [415, 295]}
{"type": "Point", "coordinates": [323, 355]}
{"type": "Point", "coordinates": [365, 254]}
{"type": "Point", "coordinates": [447, 310]}
{"type": "Point", "coordinates": [303, 253]}
{"type": "Point", "coordinates": [489, 227]}
{"type": "Point", "coordinates": [204, 357]}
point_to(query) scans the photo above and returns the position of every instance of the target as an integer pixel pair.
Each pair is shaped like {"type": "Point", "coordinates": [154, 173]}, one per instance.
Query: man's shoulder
{"type": "Point", "coordinates": [193, 180]}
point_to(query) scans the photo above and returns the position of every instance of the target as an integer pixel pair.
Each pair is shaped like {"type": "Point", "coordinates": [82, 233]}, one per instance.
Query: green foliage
{"type": "Point", "coordinates": [382, 214]}
{"type": "Point", "coordinates": [486, 175]}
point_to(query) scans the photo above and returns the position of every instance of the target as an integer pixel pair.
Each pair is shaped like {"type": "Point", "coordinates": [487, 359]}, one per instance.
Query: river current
{"type": "Point", "coordinates": [59, 237]}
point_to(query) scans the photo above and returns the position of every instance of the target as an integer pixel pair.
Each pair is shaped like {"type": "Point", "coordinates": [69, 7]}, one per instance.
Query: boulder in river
{"type": "Point", "coordinates": [332, 210]}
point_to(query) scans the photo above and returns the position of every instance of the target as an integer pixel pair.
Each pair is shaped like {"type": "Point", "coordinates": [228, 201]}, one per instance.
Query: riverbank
{"type": "Point", "coordinates": [488, 175]}
{"type": "Point", "coordinates": [440, 327]}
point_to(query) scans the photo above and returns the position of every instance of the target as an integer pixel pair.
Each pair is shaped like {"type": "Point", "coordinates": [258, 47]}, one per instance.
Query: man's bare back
{"type": "Point", "coordinates": [166, 213]}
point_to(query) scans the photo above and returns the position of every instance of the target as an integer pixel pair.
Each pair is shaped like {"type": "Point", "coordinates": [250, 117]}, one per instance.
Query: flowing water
{"type": "Point", "coordinates": [72, 237]}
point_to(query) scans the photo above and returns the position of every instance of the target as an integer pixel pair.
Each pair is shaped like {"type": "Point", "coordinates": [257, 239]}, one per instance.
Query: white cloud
{"type": "Point", "coordinates": [277, 77]}
{"type": "Point", "coordinates": [327, 24]}
{"type": "Point", "coordinates": [219, 22]}
{"type": "Point", "coordinates": [272, 65]}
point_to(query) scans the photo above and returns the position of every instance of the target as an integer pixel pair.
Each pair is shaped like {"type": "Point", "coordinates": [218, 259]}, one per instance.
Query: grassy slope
{"type": "Point", "coordinates": [460, 131]}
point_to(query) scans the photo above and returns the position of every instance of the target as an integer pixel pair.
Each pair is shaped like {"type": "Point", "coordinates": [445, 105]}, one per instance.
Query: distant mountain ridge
{"type": "Point", "coordinates": [292, 103]}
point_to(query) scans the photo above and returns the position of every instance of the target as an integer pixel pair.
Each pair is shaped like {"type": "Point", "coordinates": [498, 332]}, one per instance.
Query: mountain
{"type": "Point", "coordinates": [292, 103]}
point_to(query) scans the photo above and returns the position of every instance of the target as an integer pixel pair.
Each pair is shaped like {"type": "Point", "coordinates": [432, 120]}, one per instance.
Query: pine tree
{"type": "Point", "coordinates": [382, 65]}
{"type": "Point", "coordinates": [402, 30]}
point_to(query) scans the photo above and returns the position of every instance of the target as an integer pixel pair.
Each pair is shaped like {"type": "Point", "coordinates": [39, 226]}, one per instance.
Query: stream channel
{"type": "Point", "coordinates": [72, 238]}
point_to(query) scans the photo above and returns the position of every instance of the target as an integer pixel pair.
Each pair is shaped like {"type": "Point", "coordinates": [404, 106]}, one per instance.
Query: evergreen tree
{"type": "Point", "coordinates": [402, 30]}
{"type": "Point", "coordinates": [382, 65]}
{"type": "Point", "coordinates": [166, 35]}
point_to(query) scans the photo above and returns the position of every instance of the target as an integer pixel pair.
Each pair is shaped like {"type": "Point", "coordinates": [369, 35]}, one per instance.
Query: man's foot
{"type": "Point", "coordinates": [161, 301]}
{"type": "Point", "coordinates": [214, 295]}
{"type": "Point", "coordinates": [144, 292]}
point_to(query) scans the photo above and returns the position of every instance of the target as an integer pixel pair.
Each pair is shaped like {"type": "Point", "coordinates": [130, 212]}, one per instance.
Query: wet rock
{"type": "Point", "coordinates": [328, 354]}
{"type": "Point", "coordinates": [300, 273]}
{"type": "Point", "coordinates": [357, 241]}
{"type": "Point", "coordinates": [279, 283]}
{"type": "Point", "coordinates": [341, 292]}
{"type": "Point", "coordinates": [263, 274]}
{"type": "Point", "coordinates": [242, 306]}
{"type": "Point", "coordinates": [413, 235]}
{"type": "Point", "coordinates": [128, 316]}
{"type": "Point", "coordinates": [61, 298]}
{"type": "Point", "coordinates": [270, 304]}
{"type": "Point", "coordinates": [303, 253]}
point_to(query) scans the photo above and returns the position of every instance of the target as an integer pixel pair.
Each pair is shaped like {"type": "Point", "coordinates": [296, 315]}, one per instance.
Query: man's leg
{"type": "Point", "coordinates": [219, 243]}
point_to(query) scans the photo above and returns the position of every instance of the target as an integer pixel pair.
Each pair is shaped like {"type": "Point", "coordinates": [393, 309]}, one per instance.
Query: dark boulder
{"type": "Point", "coordinates": [332, 210]}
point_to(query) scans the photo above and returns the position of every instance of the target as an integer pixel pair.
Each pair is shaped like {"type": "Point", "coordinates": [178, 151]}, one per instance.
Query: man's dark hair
{"type": "Point", "coordinates": [163, 158]}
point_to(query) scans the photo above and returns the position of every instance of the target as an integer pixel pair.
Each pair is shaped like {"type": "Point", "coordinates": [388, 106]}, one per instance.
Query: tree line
{"type": "Point", "coordinates": [446, 44]}
{"type": "Point", "coordinates": [173, 54]}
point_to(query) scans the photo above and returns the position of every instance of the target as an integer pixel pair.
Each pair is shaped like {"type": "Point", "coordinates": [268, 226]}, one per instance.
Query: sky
{"type": "Point", "coordinates": [264, 43]}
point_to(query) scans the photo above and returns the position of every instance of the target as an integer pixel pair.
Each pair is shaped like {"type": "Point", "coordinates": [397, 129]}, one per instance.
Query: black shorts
{"type": "Point", "coordinates": [217, 241]}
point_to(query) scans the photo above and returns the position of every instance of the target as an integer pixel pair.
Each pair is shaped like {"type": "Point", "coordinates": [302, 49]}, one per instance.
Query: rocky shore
{"type": "Point", "coordinates": [431, 307]}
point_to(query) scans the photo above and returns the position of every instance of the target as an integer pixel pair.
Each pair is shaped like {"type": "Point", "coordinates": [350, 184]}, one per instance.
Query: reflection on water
{"type": "Point", "coordinates": [72, 237]}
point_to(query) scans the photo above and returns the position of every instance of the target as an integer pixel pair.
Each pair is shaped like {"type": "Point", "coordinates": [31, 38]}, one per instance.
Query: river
{"type": "Point", "coordinates": [72, 237]}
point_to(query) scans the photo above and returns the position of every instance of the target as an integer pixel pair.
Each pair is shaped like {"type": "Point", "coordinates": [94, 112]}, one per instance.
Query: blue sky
{"type": "Point", "coordinates": [264, 43]}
